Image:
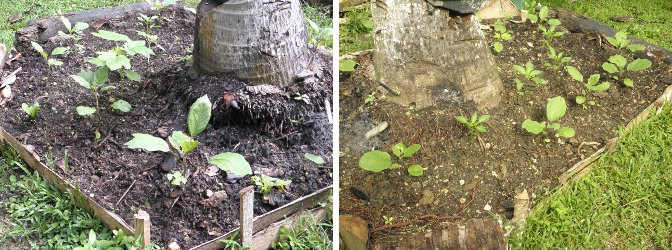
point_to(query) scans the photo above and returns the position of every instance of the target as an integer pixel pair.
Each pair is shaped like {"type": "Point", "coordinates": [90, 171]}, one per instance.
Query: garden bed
{"type": "Point", "coordinates": [124, 180]}
{"type": "Point", "coordinates": [463, 177]}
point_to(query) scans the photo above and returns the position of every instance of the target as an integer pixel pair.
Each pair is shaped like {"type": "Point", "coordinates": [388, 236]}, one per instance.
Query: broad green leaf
{"type": "Point", "coordinates": [566, 132]}
{"type": "Point", "coordinates": [80, 26]}
{"type": "Point", "coordinates": [97, 61]}
{"type": "Point", "coordinates": [84, 78]}
{"type": "Point", "coordinates": [410, 150]}
{"type": "Point", "coordinates": [507, 37]}
{"type": "Point", "coordinates": [580, 99]}
{"type": "Point", "coordinates": [118, 62]}
{"type": "Point", "coordinates": [483, 118]}
{"type": "Point", "coordinates": [132, 75]}
{"type": "Point", "coordinates": [375, 161]}
{"type": "Point", "coordinates": [539, 81]}
{"type": "Point", "coordinates": [618, 60]}
{"type": "Point", "coordinates": [111, 36]}
{"type": "Point", "coordinates": [232, 162]}
{"type": "Point", "coordinates": [554, 22]}
{"type": "Point", "coordinates": [314, 158]}
{"type": "Point", "coordinates": [461, 119]}
{"type": "Point", "coordinates": [529, 67]}
{"type": "Point", "coordinates": [367, 23]}
{"type": "Point", "coordinates": [498, 47]}
{"type": "Point", "coordinates": [621, 36]}
{"type": "Point", "coordinates": [474, 118]}
{"type": "Point", "coordinates": [395, 166]}
{"type": "Point", "coordinates": [499, 27]}
{"type": "Point", "coordinates": [534, 18]}
{"type": "Point", "coordinates": [556, 108]}
{"type": "Point", "coordinates": [555, 126]}
{"type": "Point", "coordinates": [398, 149]}
{"type": "Point", "coordinates": [54, 62]}
{"type": "Point", "coordinates": [628, 82]}
{"type": "Point", "coordinates": [347, 65]}
{"type": "Point", "coordinates": [639, 65]}
{"type": "Point", "coordinates": [84, 110]}
{"type": "Point", "coordinates": [32, 109]}
{"type": "Point", "coordinates": [147, 142]}
{"type": "Point", "coordinates": [121, 105]}
{"type": "Point", "coordinates": [533, 127]}
{"type": "Point", "coordinates": [576, 75]}
{"type": "Point", "coordinates": [594, 78]}
{"type": "Point", "coordinates": [611, 68]}
{"type": "Point", "coordinates": [138, 47]}
{"type": "Point", "coordinates": [543, 13]}
{"type": "Point", "coordinates": [182, 142]}
{"type": "Point", "coordinates": [613, 42]}
{"type": "Point", "coordinates": [600, 87]}
{"type": "Point", "coordinates": [519, 69]}
{"type": "Point", "coordinates": [636, 47]}
{"type": "Point", "coordinates": [188, 146]}
{"type": "Point", "coordinates": [59, 51]}
{"type": "Point", "coordinates": [199, 115]}
{"type": "Point", "coordinates": [519, 85]}
{"type": "Point", "coordinates": [100, 76]}
{"type": "Point", "coordinates": [38, 47]}
{"type": "Point", "coordinates": [66, 23]}
{"type": "Point", "coordinates": [415, 170]}
{"type": "Point", "coordinates": [481, 129]}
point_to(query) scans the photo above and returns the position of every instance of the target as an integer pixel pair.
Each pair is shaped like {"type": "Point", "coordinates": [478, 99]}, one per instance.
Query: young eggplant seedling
{"type": "Point", "coordinates": [555, 109]}
{"type": "Point", "coordinates": [590, 85]}
{"type": "Point", "coordinates": [618, 65]}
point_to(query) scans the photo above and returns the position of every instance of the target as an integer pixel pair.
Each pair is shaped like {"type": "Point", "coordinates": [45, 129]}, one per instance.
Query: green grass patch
{"type": "Point", "coordinates": [355, 32]}
{"type": "Point", "coordinates": [33, 9]}
{"type": "Point", "coordinates": [652, 17]}
{"type": "Point", "coordinates": [306, 233]}
{"type": "Point", "coordinates": [41, 216]}
{"type": "Point", "coordinates": [625, 202]}
{"type": "Point", "coordinates": [322, 34]}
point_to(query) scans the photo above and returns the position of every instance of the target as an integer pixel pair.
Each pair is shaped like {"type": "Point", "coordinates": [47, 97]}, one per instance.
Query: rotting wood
{"type": "Point", "coordinates": [263, 221]}
{"type": "Point", "coordinates": [246, 215]}
{"type": "Point", "coordinates": [521, 206]}
{"type": "Point", "coordinates": [110, 219]}
{"type": "Point", "coordinates": [142, 227]}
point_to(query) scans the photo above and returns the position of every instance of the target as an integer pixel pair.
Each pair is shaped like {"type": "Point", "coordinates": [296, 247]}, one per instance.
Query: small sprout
{"type": "Point", "coordinates": [621, 41]}
{"type": "Point", "coordinates": [415, 170]}
{"type": "Point", "coordinates": [475, 124]}
{"type": "Point", "coordinates": [314, 158]}
{"type": "Point", "coordinates": [147, 142]}
{"type": "Point", "coordinates": [618, 65]}
{"type": "Point", "coordinates": [31, 110]}
{"type": "Point", "coordinates": [542, 16]}
{"type": "Point", "coordinates": [199, 115]}
{"type": "Point", "coordinates": [94, 82]}
{"type": "Point", "coordinates": [531, 76]}
{"type": "Point", "coordinates": [267, 183]}
{"type": "Point", "coordinates": [122, 106]}
{"type": "Point", "coordinates": [590, 85]}
{"type": "Point", "coordinates": [388, 220]}
{"type": "Point", "coordinates": [558, 59]}
{"type": "Point", "coordinates": [176, 178]}
{"type": "Point", "coordinates": [555, 109]}
{"type": "Point", "coordinates": [401, 151]}
{"type": "Point", "coordinates": [85, 110]}
{"type": "Point", "coordinates": [75, 32]}
{"type": "Point", "coordinates": [501, 34]}
{"type": "Point", "coordinates": [148, 22]}
{"type": "Point", "coordinates": [182, 143]}
{"type": "Point", "coordinates": [47, 57]}
{"type": "Point", "coordinates": [551, 32]}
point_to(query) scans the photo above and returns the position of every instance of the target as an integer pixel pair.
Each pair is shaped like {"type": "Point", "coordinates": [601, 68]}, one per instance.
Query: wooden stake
{"type": "Point", "coordinates": [142, 225]}
{"type": "Point", "coordinates": [246, 215]}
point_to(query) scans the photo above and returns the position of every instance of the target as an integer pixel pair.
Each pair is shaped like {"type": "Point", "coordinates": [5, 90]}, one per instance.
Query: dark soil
{"type": "Point", "coordinates": [512, 159]}
{"type": "Point", "coordinates": [273, 132]}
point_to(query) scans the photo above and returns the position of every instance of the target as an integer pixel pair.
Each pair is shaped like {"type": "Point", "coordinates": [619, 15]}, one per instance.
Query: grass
{"type": "Point", "coordinates": [652, 17]}
{"type": "Point", "coordinates": [323, 36]}
{"type": "Point", "coordinates": [306, 233]}
{"type": "Point", "coordinates": [38, 215]}
{"type": "Point", "coordinates": [32, 9]}
{"type": "Point", "coordinates": [355, 33]}
{"type": "Point", "coordinates": [625, 202]}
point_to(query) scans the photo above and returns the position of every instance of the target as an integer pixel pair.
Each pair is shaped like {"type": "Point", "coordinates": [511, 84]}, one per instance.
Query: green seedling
{"type": "Point", "coordinates": [148, 22]}
{"type": "Point", "coordinates": [551, 32]}
{"type": "Point", "coordinates": [377, 161]}
{"type": "Point", "coordinates": [266, 183]}
{"type": "Point", "coordinates": [347, 65]}
{"type": "Point", "coordinates": [593, 84]}
{"type": "Point", "coordinates": [94, 82]}
{"type": "Point", "coordinates": [555, 109]}
{"type": "Point", "coordinates": [557, 59]}
{"type": "Point", "coordinates": [540, 17]}
{"type": "Point", "coordinates": [119, 241]}
{"type": "Point", "coordinates": [48, 57]}
{"type": "Point", "coordinates": [618, 65]}
{"type": "Point", "coordinates": [118, 58]}
{"type": "Point", "coordinates": [501, 34]}
{"type": "Point", "coordinates": [197, 121]}
{"type": "Point", "coordinates": [531, 76]}
{"type": "Point", "coordinates": [231, 243]}
{"type": "Point", "coordinates": [176, 178]}
{"type": "Point", "coordinates": [75, 32]}
{"type": "Point", "coordinates": [319, 36]}
{"type": "Point", "coordinates": [475, 124]}
{"type": "Point", "coordinates": [314, 158]}
{"type": "Point", "coordinates": [388, 220]}
{"type": "Point", "coordinates": [151, 39]}
{"type": "Point", "coordinates": [621, 41]}
{"type": "Point", "coordinates": [31, 110]}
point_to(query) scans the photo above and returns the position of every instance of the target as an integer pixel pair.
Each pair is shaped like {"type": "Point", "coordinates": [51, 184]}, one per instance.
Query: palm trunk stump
{"type": "Point", "coordinates": [430, 56]}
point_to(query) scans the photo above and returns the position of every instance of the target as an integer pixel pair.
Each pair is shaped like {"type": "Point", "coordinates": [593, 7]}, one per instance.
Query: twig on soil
{"type": "Point", "coordinates": [175, 201]}
{"type": "Point", "coordinates": [124, 195]}
{"type": "Point", "coordinates": [100, 143]}
{"type": "Point", "coordinates": [283, 136]}
{"type": "Point", "coordinates": [420, 219]}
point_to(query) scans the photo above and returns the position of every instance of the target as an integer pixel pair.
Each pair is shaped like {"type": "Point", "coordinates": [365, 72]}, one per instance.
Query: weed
{"type": "Point", "coordinates": [119, 241]}
{"type": "Point", "coordinates": [74, 32]}
{"type": "Point", "coordinates": [501, 34]}
{"type": "Point", "coordinates": [176, 178]}
{"type": "Point", "coordinates": [148, 22]}
{"type": "Point", "coordinates": [48, 58]}
{"type": "Point", "coordinates": [557, 59]}
{"type": "Point", "coordinates": [388, 220]}
{"type": "Point", "coordinates": [355, 32]}
{"type": "Point", "coordinates": [232, 244]}
{"type": "Point", "coordinates": [618, 65]}
{"type": "Point", "coordinates": [306, 233]}
{"type": "Point", "coordinates": [266, 183]}
{"type": "Point", "coordinates": [530, 74]}
{"type": "Point", "coordinates": [377, 161]}
{"type": "Point", "coordinates": [117, 59]}
{"type": "Point", "coordinates": [474, 125]}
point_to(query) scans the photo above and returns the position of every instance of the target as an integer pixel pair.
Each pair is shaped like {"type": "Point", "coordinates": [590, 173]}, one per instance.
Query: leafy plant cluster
{"type": "Point", "coordinates": [320, 31]}
{"type": "Point", "coordinates": [377, 161]}
{"type": "Point", "coordinates": [120, 241]}
{"type": "Point", "coordinates": [306, 233]}
{"type": "Point", "coordinates": [475, 124]}
{"type": "Point", "coordinates": [530, 76]}
{"type": "Point", "coordinates": [355, 33]}
{"type": "Point", "coordinates": [501, 34]}
{"type": "Point", "coordinates": [549, 32]}
{"type": "Point", "coordinates": [555, 109]}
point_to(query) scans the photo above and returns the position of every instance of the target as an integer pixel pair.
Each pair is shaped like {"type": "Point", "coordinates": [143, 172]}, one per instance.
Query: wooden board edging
{"type": "Point", "coordinates": [85, 202]}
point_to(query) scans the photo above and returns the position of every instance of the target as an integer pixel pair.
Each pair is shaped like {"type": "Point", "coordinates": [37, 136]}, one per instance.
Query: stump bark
{"type": "Point", "coordinates": [431, 58]}
{"type": "Point", "coordinates": [259, 42]}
